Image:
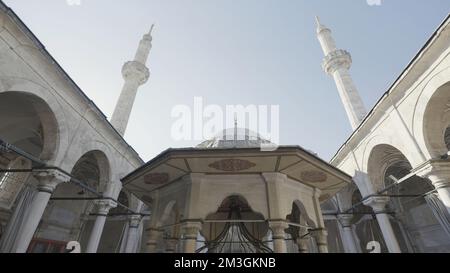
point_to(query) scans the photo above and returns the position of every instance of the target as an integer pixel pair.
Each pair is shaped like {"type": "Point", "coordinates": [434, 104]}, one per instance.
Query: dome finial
{"type": "Point", "coordinates": [235, 128]}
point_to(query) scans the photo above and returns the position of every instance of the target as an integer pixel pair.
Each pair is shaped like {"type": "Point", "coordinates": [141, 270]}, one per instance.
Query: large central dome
{"type": "Point", "coordinates": [235, 138]}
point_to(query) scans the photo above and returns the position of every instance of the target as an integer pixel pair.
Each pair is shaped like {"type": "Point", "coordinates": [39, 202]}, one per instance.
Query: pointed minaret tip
{"type": "Point", "coordinates": [318, 21]}
{"type": "Point", "coordinates": [151, 29]}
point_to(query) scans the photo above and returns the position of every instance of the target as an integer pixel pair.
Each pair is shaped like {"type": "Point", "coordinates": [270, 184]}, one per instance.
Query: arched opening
{"type": "Point", "coordinates": [298, 237]}
{"type": "Point", "coordinates": [436, 122]}
{"type": "Point", "coordinates": [413, 221]}
{"type": "Point", "coordinates": [366, 225]}
{"type": "Point", "coordinates": [235, 228]}
{"type": "Point", "coordinates": [332, 225]}
{"type": "Point", "coordinates": [27, 122]}
{"type": "Point", "coordinates": [67, 215]}
{"type": "Point", "coordinates": [115, 228]}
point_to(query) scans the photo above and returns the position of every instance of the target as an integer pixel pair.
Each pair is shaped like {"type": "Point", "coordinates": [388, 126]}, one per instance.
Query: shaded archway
{"type": "Point", "coordinates": [411, 217]}
{"type": "Point", "coordinates": [235, 228]}
{"type": "Point", "coordinates": [298, 233]}
{"type": "Point", "coordinates": [365, 224]}
{"type": "Point", "coordinates": [436, 122]}
{"type": "Point", "coordinates": [27, 122]}
{"type": "Point", "coordinates": [66, 217]}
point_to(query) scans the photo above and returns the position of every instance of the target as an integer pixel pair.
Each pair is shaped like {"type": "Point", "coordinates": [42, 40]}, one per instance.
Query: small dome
{"type": "Point", "coordinates": [235, 138]}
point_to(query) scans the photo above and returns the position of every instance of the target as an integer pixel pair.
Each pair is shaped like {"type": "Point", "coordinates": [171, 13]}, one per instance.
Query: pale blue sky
{"type": "Point", "coordinates": [233, 52]}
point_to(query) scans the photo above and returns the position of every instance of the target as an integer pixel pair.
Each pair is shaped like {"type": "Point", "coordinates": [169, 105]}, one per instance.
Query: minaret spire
{"type": "Point", "coordinates": [337, 63]}
{"type": "Point", "coordinates": [135, 74]}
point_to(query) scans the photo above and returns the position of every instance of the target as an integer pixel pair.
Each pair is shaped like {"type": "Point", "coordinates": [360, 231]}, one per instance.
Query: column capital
{"type": "Point", "coordinates": [135, 221]}
{"type": "Point", "coordinates": [278, 229]}
{"type": "Point", "coordinates": [437, 171]}
{"type": "Point", "coordinates": [104, 205]}
{"type": "Point", "coordinates": [345, 220]}
{"type": "Point", "coordinates": [190, 229]}
{"type": "Point", "coordinates": [321, 236]}
{"type": "Point", "coordinates": [377, 203]}
{"type": "Point", "coordinates": [49, 179]}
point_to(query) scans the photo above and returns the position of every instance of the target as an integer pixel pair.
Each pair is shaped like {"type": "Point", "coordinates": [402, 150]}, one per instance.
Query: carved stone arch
{"type": "Point", "coordinates": [221, 196]}
{"type": "Point", "coordinates": [53, 152]}
{"type": "Point", "coordinates": [385, 139]}
{"type": "Point", "coordinates": [432, 115]}
{"type": "Point", "coordinates": [381, 157]}
{"type": "Point", "coordinates": [104, 156]}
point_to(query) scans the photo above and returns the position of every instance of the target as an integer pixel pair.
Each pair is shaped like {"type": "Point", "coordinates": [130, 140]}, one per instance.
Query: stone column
{"type": "Point", "coordinates": [279, 236]}
{"type": "Point", "coordinates": [347, 233]}
{"type": "Point", "coordinates": [171, 245]}
{"type": "Point", "coordinates": [303, 245]}
{"type": "Point", "coordinates": [48, 181]}
{"type": "Point", "coordinates": [190, 231]}
{"type": "Point", "coordinates": [133, 236]}
{"type": "Point", "coordinates": [378, 204]}
{"type": "Point", "coordinates": [152, 241]}
{"type": "Point", "coordinates": [303, 240]}
{"type": "Point", "coordinates": [438, 172]}
{"type": "Point", "coordinates": [103, 207]}
{"type": "Point", "coordinates": [321, 237]}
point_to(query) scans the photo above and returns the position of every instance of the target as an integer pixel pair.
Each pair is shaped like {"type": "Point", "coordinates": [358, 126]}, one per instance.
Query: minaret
{"type": "Point", "coordinates": [337, 63]}
{"type": "Point", "coordinates": [135, 74]}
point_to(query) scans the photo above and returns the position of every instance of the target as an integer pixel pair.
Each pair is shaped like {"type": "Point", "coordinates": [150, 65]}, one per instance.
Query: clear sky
{"type": "Point", "coordinates": [233, 52]}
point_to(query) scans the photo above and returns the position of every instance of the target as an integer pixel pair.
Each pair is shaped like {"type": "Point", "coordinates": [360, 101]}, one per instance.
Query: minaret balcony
{"type": "Point", "coordinates": [337, 59]}
{"type": "Point", "coordinates": [135, 71]}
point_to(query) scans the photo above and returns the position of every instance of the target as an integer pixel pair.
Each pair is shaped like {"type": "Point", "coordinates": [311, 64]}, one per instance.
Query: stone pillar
{"type": "Point", "coordinates": [438, 172]}
{"type": "Point", "coordinates": [133, 236]}
{"type": "Point", "coordinates": [152, 241]}
{"type": "Point", "coordinates": [302, 244]}
{"type": "Point", "coordinates": [321, 237]}
{"type": "Point", "coordinates": [279, 236]}
{"type": "Point", "coordinates": [48, 181]}
{"type": "Point", "coordinates": [171, 245]}
{"type": "Point", "coordinates": [348, 238]}
{"type": "Point", "coordinates": [378, 204]}
{"type": "Point", "coordinates": [103, 207]}
{"type": "Point", "coordinates": [190, 231]}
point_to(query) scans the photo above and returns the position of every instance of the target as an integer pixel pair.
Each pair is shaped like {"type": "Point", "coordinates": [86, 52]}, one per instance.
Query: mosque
{"type": "Point", "coordinates": [70, 182]}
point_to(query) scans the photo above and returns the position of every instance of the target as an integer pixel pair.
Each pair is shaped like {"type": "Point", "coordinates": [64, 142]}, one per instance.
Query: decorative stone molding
{"type": "Point", "coordinates": [278, 229]}
{"type": "Point", "coordinates": [156, 178]}
{"type": "Point", "coordinates": [313, 176]}
{"type": "Point", "coordinates": [377, 203]}
{"type": "Point", "coordinates": [438, 172]}
{"type": "Point", "coordinates": [104, 206]}
{"type": "Point", "coordinates": [345, 220]}
{"type": "Point", "coordinates": [190, 229]}
{"type": "Point", "coordinates": [232, 165]}
{"type": "Point", "coordinates": [134, 221]}
{"type": "Point", "coordinates": [50, 179]}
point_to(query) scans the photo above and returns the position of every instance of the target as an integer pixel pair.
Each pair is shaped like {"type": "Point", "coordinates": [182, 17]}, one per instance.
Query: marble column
{"type": "Point", "coordinates": [348, 239]}
{"type": "Point", "coordinates": [321, 237]}
{"type": "Point", "coordinates": [378, 204]}
{"type": "Point", "coordinates": [190, 231]}
{"type": "Point", "coordinates": [438, 172]}
{"type": "Point", "coordinates": [279, 236]}
{"type": "Point", "coordinates": [171, 245]}
{"type": "Point", "coordinates": [48, 181]}
{"type": "Point", "coordinates": [133, 235]}
{"type": "Point", "coordinates": [103, 207]}
{"type": "Point", "coordinates": [152, 241]}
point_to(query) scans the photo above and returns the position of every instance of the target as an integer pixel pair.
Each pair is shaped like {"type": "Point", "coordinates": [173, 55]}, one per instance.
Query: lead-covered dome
{"type": "Point", "coordinates": [235, 138]}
